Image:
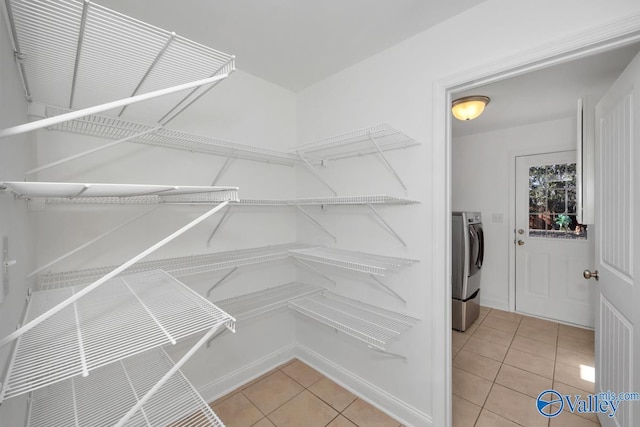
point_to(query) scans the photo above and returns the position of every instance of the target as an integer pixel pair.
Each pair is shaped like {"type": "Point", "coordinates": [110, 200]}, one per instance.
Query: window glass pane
{"type": "Point", "coordinates": [552, 202]}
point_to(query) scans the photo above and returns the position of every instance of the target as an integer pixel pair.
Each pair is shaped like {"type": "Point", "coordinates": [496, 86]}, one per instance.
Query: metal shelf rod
{"type": "Point", "coordinates": [215, 285]}
{"type": "Point", "coordinates": [315, 173]}
{"type": "Point", "coordinates": [222, 169]}
{"type": "Point", "coordinates": [386, 162]}
{"type": "Point", "coordinates": [153, 64]}
{"type": "Point", "coordinates": [314, 270]}
{"type": "Point", "coordinates": [50, 121]}
{"type": "Point", "coordinates": [164, 120]}
{"type": "Point", "coordinates": [93, 150]}
{"type": "Point", "coordinates": [166, 376]}
{"type": "Point", "coordinates": [16, 48]}
{"type": "Point", "coordinates": [386, 224]}
{"type": "Point", "coordinates": [83, 24]}
{"type": "Point", "coordinates": [44, 316]}
{"type": "Point", "coordinates": [391, 291]}
{"type": "Point", "coordinates": [215, 230]}
{"type": "Point", "coordinates": [312, 219]}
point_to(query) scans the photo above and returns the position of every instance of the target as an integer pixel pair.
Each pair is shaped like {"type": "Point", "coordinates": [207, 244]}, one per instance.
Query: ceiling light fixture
{"type": "Point", "coordinates": [469, 107]}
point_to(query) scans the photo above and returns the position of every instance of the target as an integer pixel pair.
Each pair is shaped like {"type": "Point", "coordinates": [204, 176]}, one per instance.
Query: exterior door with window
{"type": "Point", "coordinates": [552, 249]}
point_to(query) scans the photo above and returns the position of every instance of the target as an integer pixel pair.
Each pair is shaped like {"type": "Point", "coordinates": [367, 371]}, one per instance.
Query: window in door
{"type": "Point", "coordinates": [552, 202]}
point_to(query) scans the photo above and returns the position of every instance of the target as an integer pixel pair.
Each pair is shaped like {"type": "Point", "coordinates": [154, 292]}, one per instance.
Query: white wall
{"type": "Point", "coordinates": [17, 154]}
{"type": "Point", "coordinates": [397, 86]}
{"type": "Point", "coordinates": [242, 109]}
{"type": "Point", "coordinates": [481, 182]}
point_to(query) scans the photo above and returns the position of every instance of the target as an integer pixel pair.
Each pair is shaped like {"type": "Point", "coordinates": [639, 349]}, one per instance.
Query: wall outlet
{"type": "Point", "coordinates": [497, 218]}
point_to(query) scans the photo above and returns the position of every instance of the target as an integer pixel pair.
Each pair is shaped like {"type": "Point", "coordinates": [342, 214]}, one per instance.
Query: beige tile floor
{"type": "Point", "coordinates": [504, 360]}
{"type": "Point", "coordinates": [296, 395]}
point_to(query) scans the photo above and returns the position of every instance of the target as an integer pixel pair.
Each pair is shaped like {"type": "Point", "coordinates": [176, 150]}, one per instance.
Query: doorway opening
{"type": "Point", "coordinates": [506, 213]}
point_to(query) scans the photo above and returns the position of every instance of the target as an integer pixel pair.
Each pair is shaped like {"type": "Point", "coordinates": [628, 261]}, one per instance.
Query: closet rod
{"type": "Point", "coordinates": [50, 121]}
{"type": "Point", "coordinates": [44, 316]}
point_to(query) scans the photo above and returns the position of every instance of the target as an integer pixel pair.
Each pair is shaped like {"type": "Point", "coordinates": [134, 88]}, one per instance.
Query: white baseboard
{"type": "Point", "coordinates": [243, 375]}
{"type": "Point", "coordinates": [387, 403]}
{"type": "Point", "coordinates": [500, 304]}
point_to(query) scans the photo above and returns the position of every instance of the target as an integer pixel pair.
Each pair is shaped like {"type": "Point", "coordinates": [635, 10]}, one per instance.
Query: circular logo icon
{"type": "Point", "coordinates": [546, 399]}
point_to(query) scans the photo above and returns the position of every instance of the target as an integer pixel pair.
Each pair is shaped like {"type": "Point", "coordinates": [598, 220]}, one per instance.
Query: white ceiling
{"type": "Point", "coordinates": [547, 94]}
{"type": "Point", "coordinates": [294, 43]}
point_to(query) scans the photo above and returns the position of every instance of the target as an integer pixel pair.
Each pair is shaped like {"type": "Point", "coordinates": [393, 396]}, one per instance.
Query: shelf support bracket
{"type": "Point", "coordinates": [314, 270]}
{"type": "Point", "coordinates": [391, 291]}
{"type": "Point", "coordinates": [44, 316]}
{"type": "Point", "coordinates": [312, 219]}
{"type": "Point", "coordinates": [61, 118]}
{"type": "Point", "coordinates": [83, 24]}
{"type": "Point", "coordinates": [315, 173]}
{"type": "Point", "coordinates": [222, 169]}
{"type": "Point", "coordinates": [17, 53]}
{"type": "Point", "coordinates": [151, 67]}
{"type": "Point", "coordinates": [215, 230]}
{"type": "Point", "coordinates": [386, 224]}
{"type": "Point", "coordinates": [216, 335]}
{"type": "Point", "coordinates": [93, 150]}
{"type": "Point", "coordinates": [166, 377]}
{"type": "Point", "coordinates": [386, 162]}
{"type": "Point", "coordinates": [388, 353]}
{"type": "Point", "coordinates": [226, 69]}
{"type": "Point", "coordinates": [222, 279]}
{"type": "Point", "coordinates": [103, 235]}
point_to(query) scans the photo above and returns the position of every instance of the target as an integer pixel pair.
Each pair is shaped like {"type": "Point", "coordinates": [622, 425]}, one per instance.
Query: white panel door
{"type": "Point", "coordinates": [617, 232]}
{"type": "Point", "coordinates": [552, 249]}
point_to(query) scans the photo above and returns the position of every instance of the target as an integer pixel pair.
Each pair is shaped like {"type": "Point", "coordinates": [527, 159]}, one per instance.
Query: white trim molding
{"type": "Point", "coordinates": [372, 394]}
{"type": "Point", "coordinates": [234, 379]}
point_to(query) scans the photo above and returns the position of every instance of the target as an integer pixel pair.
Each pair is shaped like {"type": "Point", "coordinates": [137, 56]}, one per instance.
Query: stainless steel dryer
{"type": "Point", "coordinates": [467, 257]}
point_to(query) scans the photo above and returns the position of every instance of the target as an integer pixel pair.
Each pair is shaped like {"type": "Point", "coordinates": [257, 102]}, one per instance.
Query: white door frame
{"type": "Point", "coordinates": [601, 38]}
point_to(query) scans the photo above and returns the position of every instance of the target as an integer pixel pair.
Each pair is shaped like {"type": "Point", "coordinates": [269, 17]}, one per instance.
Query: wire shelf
{"type": "Point", "coordinates": [356, 143]}
{"type": "Point", "coordinates": [340, 200]}
{"type": "Point", "coordinates": [178, 267]}
{"type": "Point", "coordinates": [256, 303]}
{"type": "Point", "coordinates": [103, 397]}
{"type": "Point", "coordinates": [127, 316]}
{"type": "Point", "coordinates": [67, 192]}
{"type": "Point", "coordinates": [116, 128]}
{"type": "Point", "coordinates": [373, 325]}
{"type": "Point", "coordinates": [79, 54]}
{"type": "Point", "coordinates": [356, 261]}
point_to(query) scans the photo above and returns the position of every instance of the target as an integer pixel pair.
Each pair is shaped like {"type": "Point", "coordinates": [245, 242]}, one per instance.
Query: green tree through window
{"type": "Point", "coordinates": [552, 202]}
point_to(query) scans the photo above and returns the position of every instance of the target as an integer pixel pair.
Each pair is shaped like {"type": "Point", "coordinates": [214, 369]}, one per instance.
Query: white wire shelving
{"type": "Point", "coordinates": [102, 398]}
{"type": "Point", "coordinates": [371, 140]}
{"type": "Point", "coordinates": [79, 54]}
{"type": "Point", "coordinates": [322, 201]}
{"type": "Point", "coordinates": [177, 266]}
{"type": "Point", "coordinates": [373, 325]}
{"type": "Point", "coordinates": [256, 303]}
{"type": "Point", "coordinates": [367, 200]}
{"type": "Point", "coordinates": [128, 315]}
{"type": "Point", "coordinates": [121, 130]}
{"type": "Point", "coordinates": [97, 193]}
{"type": "Point", "coordinates": [361, 262]}
{"type": "Point", "coordinates": [245, 307]}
